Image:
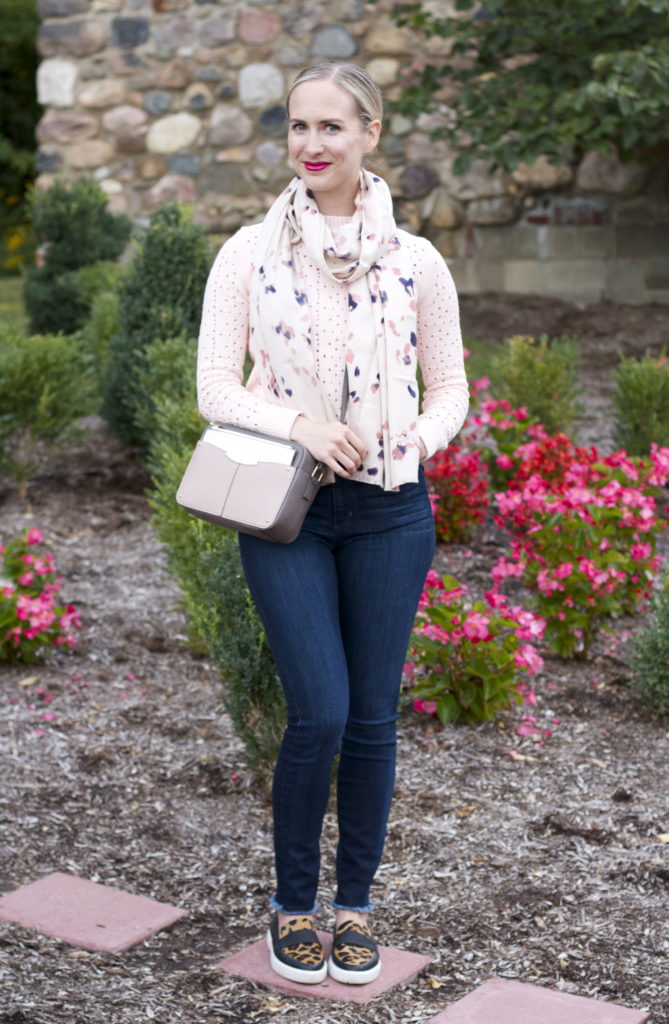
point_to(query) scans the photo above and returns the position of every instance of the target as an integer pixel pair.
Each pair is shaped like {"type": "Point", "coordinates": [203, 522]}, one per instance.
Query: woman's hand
{"type": "Point", "coordinates": [332, 443]}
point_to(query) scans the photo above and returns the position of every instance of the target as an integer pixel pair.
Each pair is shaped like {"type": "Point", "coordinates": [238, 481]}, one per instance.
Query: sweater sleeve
{"type": "Point", "coordinates": [440, 353]}
{"type": "Point", "coordinates": [223, 345]}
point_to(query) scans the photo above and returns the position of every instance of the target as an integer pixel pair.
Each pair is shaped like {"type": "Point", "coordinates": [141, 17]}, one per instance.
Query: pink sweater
{"type": "Point", "coordinates": [224, 333]}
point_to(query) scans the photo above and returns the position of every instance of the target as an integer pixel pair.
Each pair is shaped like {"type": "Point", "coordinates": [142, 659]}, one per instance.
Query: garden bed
{"type": "Point", "coordinates": [537, 857]}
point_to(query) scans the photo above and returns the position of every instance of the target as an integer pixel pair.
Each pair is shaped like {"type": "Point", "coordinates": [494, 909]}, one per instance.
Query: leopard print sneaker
{"type": "Point", "coordinates": [295, 951]}
{"type": "Point", "coordinates": [355, 955]}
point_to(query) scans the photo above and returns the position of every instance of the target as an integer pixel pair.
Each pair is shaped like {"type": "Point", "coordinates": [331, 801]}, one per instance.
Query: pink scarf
{"type": "Point", "coordinates": [380, 345]}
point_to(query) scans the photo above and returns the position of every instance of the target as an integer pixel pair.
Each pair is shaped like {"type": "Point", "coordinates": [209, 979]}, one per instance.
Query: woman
{"type": "Point", "coordinates": [334, 302]}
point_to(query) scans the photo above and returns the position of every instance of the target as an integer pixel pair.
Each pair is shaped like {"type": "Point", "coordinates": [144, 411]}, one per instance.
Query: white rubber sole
{"type": "Point", "coordinates": [294, 973]}
{"type": "Point", "coordinates": [353, 977]}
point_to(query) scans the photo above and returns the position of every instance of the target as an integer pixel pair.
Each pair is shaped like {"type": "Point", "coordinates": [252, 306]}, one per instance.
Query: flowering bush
{"type": "Point", "coordinates": [30, 619]}
{"type": "Point", "coordinates": [459, 482]}
{"type": "Point", "coordinates": [585, 543]}
{"type": "Point", "coordinates": [497, 430]}
{"type": "Point", "coordinates": [467, 659]}
{"type": "Point", "coordinates": [554, 458]}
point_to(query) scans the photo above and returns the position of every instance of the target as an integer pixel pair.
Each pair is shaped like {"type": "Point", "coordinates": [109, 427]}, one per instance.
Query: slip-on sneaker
{"type": "Point", "coordinates": [295, 951]}
{"type": "Point", "coordinates": [355, 956]}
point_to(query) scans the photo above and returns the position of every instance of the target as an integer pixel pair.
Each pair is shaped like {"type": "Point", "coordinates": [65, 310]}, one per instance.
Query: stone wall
{"type": "Point", "coordinates": [182, 99]}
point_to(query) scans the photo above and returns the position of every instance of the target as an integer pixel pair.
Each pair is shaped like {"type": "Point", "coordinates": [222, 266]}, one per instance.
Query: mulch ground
{"type": "Point", "coordinates": [535, 858]}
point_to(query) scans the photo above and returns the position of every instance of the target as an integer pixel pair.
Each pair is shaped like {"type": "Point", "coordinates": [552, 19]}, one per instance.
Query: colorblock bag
{"type": "Point", "coordinates": [251, 482]}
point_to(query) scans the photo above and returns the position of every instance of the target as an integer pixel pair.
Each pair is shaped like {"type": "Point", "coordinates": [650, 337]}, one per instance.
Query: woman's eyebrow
{"type": "Point", "coordinates": [324, 120]}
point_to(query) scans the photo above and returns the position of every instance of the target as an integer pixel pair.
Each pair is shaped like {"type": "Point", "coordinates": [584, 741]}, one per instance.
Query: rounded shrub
{"type": "Point", "coordinates": [641, 403]}
{"type": "Point", "coordinates": [45, 385]}
{"type": "Point", "coordinates": [540, 376]}
{"type": "Point", "coordinates": [161, 298]}
{"type": "Point", "coordinates": [73, 229]}
{"type": "Point", "coordinates": [650, 657]}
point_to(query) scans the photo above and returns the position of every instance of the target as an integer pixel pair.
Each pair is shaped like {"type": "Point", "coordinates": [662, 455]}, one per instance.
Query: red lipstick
{"type": "Point", "coordinates": [314, 168]}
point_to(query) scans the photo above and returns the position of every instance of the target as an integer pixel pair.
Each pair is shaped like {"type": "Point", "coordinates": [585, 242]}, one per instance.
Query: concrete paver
{"type": "Point", "coordinates": [399, 968]}
{"type": "Point", "coordinates": [86, 914]}
{"type": "Point", "coordinates": [501, 1001]}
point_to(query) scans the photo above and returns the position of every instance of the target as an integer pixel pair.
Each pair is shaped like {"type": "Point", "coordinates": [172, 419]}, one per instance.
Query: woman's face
{"type": "Point", "coordinates": [326, 143]}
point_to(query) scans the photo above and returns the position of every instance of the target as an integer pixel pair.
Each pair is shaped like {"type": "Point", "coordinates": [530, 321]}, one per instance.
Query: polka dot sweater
{"type": "Point", "coordinates": [224, 398]}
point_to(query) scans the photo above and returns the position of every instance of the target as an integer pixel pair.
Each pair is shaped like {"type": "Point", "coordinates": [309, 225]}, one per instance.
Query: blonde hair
{"type": "Point", "coordinates": [353, 79]}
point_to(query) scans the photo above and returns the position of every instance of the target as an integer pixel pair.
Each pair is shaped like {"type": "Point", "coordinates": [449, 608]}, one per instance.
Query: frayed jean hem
{"type": "Point", "coordinates": [358, 910]}
{"type": "Point", "coordinates": [275, 905]}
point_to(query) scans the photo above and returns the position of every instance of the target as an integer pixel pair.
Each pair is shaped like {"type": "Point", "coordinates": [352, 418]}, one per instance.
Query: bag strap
{"type": "Point", "coordinates": [344, 398]}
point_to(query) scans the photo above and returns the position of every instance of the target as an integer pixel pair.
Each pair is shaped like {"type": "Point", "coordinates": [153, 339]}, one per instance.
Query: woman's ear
{"type": "Point", "coordinates": [373, 133]}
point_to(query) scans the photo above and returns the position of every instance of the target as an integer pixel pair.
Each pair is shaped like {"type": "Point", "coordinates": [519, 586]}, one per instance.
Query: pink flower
{"type": "Point", "coordinates": [26, 579]}
{"type": "Point", "coordinates": [482, 384]}
{"type": "Point", "coordinates": [526, 657]}
{"type": "Point", "coordinates": [433, 579]}
{"type": "Point", "coordinates": [640, 551]}
{"type": "Point", "coordinates": [527, 726]}
{"type": "Point", "coordinates": [504, 569]}
{"type": "Point", "coordinates": [427, 706]}
{"type": "Point", "coordinates": [475, 627]}
{"type": "Point", "coordinates": [34, 536]}
{"type": "Point", "coordinates": [504, 461]}
{"type": "Point", "coordinates": [546, 583]}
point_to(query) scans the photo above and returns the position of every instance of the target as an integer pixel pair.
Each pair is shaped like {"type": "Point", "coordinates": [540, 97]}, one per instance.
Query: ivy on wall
{"type": "Point", "coordinates": [525, 79]}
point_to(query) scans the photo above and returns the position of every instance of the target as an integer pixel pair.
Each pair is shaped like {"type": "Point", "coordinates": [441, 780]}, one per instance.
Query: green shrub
{"type": "Point", "coordinates": [641, 403]}
{"type": "Point", "coordinates": [650, 659]}
{"type": "Point", "coordinates": [161, 298]}
{"type": "Point", "coordinates": [12, 313]}
{"type": "Point", "coordinates": [205, 558]}
{"type": "Point", "coordinates": [539, 374]}
{"type": "Point", "coordinates": [45, 385]}
{"type": "Point", "coordinates": [73, 229]}
{"type": "Point", "coordinates": [206, 562]}
{"type": "Point", "coordinates": [167, 381]}
{"type": "Point", "coordinates": [100, 284]}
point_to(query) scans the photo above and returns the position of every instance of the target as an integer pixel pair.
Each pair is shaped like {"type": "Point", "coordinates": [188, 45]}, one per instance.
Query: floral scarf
{"type": "Point", "coordinates": [380, 345]}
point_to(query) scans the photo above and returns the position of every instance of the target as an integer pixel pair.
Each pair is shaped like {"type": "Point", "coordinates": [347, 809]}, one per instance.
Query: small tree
{"type": "Point", "coordinates": [538, 79]}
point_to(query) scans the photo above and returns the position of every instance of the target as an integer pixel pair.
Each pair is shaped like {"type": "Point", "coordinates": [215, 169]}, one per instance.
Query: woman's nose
{"type": "Point", "coordinates": [314, 142]}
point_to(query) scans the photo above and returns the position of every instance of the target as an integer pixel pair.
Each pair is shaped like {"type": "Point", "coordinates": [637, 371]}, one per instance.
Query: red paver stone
{"type": "Point", "coordinates": [86, 914]}
{"type": "Point", "coordinates": [499, 1001]}
{"type": "Point", "coordinates": [399, 968]}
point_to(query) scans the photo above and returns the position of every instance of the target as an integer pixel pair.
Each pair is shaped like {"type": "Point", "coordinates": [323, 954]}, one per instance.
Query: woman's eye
{"type": "Point", "coordinates": [332, 127]}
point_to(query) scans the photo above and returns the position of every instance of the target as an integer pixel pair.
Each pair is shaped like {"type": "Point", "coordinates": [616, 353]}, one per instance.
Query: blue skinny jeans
{"type": "Point", "coordinates": [338, 606]}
